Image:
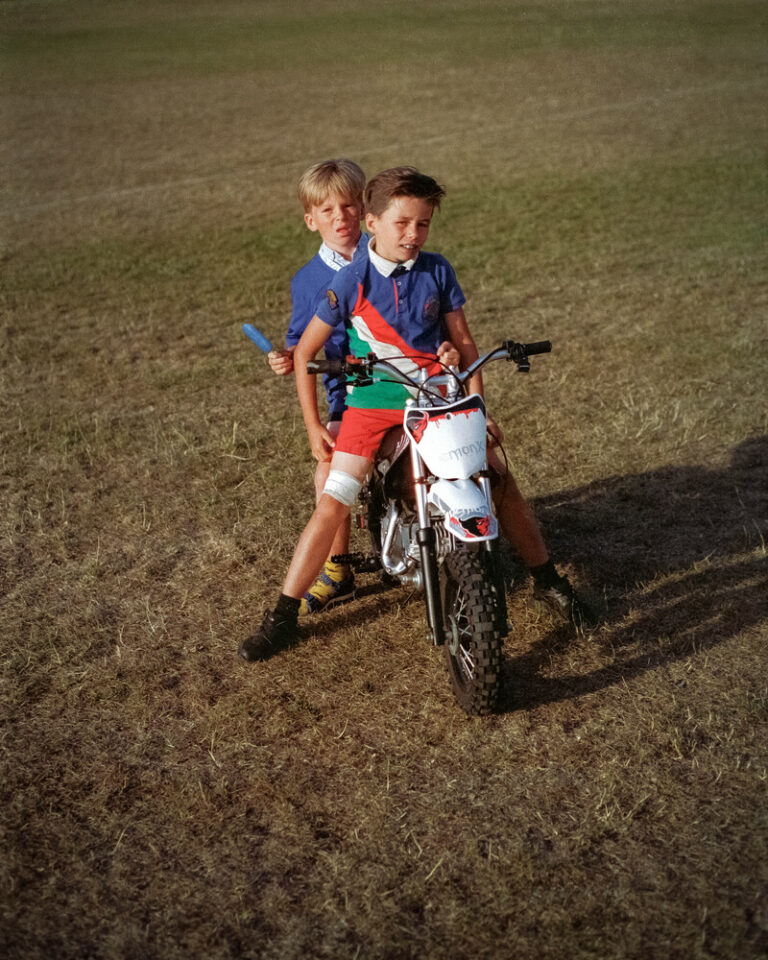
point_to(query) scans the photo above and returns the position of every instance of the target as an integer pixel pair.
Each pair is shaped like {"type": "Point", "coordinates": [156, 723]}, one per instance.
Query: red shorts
{"type": "Point", "coordinates": [362, 430]}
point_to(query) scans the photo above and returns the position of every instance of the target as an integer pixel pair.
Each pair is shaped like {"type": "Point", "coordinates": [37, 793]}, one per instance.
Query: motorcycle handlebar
{"type": "Point", "coordinates": [519, 352]}
{"type": "Point", "coordinates": [541, 346]}
{"type": "Point", "coordinates": [334, 367]}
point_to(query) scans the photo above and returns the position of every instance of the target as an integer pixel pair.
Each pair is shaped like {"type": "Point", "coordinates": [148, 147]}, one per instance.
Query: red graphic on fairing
{"type": "Point", "coordinates": [417, 429]}
{"type": "Point", "coordinates": [471, 527]}
{"type": "Point", "coordinates": [484, 526]}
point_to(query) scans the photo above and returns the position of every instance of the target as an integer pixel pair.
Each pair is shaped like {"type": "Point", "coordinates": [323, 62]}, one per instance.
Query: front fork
{"type": "Point", "coordinates": [426, 537]}
{"type": "Point", "coordinates": [494, 560]}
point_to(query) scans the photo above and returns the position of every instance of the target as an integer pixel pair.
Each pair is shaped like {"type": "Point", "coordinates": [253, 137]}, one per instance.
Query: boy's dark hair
{"type": "Point", "coordinates": [400, 182]}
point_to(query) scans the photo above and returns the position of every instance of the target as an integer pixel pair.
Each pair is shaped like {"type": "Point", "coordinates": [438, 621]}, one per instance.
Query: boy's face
{"type": "Point", "coordinates": [402, 230]}
{"type": "Point", "coordinates": [337, 220]}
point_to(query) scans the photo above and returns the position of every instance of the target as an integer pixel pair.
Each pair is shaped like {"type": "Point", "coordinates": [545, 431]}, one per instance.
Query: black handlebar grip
{"type": "Point", "coordinates": [541, 346]}
{"type": "Point", "coordinates": [333, 367]}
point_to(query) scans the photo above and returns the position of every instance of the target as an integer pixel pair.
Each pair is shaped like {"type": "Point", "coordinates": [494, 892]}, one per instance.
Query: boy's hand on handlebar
{"type": "Point", "coordinates": [495, 433]}
{"type": "Point", "coordinates": [448, 354]}
{"type": "Point", "coordinates": [321, 443]}
{"type": "Point", "coordinates": [281, 361]}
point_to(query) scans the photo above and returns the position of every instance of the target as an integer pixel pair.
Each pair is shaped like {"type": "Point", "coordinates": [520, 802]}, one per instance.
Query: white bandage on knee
{"type": "Point", "coordinates": [342, 487]}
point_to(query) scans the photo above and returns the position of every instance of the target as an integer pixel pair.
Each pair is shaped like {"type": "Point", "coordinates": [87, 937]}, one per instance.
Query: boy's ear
{"type": "Point", "coordinates": [370, 222]}
{"type": "Point", "coordinates": [310, 222]}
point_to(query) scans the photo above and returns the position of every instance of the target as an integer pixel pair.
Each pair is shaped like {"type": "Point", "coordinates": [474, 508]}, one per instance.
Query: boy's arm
{"type": "Point", "coordinates": [312, 340]}
{"type": "Point", "coordinates": [281, 361]}
{"type": "Point", "coordinates": [459, 333]}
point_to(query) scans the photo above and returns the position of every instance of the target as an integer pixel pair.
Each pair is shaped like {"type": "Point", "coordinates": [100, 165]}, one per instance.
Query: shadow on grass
{"type": "Point", "coordinates": [680, 553]}
{"type": "Point", "coordinates": [670, 549]}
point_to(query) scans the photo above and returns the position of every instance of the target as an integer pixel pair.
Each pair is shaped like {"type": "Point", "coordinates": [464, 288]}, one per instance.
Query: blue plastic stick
{"type": "Point", "coordinates": [257, 336]}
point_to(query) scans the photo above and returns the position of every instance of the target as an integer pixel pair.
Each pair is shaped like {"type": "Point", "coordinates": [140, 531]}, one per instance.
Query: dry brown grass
{"type": "Point", "coordinates": [162, 799]}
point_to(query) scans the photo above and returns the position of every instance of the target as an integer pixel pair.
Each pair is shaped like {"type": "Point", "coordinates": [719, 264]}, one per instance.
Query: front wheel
{"type": "Point", "coordinates": [472, 624]}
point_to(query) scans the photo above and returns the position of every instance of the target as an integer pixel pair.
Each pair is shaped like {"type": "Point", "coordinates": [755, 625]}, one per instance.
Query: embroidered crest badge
{"type": "Point", "coordinates": [333, 300]}
{"type": "Point", "coordinates": [431, 309]}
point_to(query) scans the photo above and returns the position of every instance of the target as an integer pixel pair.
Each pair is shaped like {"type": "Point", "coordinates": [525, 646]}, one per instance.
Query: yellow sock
{"type": "Point", "coordinates": [336, 571]}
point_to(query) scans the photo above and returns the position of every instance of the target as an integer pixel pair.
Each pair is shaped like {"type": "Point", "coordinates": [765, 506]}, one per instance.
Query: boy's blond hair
{"type": "Point", "coordinates": [340, 176]}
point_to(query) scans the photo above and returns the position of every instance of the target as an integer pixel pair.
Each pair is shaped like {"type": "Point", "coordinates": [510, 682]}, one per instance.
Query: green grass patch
{"type": "Point", "coordinates": [263, 37]}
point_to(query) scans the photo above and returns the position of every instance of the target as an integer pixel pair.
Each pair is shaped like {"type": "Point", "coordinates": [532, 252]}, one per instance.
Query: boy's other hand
{"type": "Point", "coordinates": [448, 354]}
{"type": "Point", "coordinates": [281, 361]}
{"type": "Point", "coordinates": [321, 443]}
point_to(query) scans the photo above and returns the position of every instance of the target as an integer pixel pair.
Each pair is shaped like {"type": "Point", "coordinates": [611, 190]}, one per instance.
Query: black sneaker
{"type": "Point", "coordinates": [273, 635]}
{"type": "Point", "coordinates": [565, 601]}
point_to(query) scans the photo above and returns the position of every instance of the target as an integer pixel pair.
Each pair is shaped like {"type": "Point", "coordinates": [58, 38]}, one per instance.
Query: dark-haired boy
{"type": "Point", "coordinates": [401, 303]}
{"type": "Point", "coordinates": [331, 195]}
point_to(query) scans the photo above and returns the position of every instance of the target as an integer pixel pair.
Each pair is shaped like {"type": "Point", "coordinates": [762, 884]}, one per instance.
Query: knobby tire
{"type": "Point", "coordinates": [473, 623]}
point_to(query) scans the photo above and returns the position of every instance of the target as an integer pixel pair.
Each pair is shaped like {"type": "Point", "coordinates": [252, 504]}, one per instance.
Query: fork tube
{"type": "Point", "coordinates": [427, 540]}
{"type": "Point", "coordinates": [485, 486]}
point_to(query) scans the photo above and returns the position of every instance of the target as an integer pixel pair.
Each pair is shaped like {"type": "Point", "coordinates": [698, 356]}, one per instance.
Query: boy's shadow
{"type": "Point", "coordinates": [680, 553]}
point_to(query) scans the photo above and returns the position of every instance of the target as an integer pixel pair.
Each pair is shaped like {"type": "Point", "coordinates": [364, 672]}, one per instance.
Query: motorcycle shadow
{"type": "Point", "coordinates": [681, 556]}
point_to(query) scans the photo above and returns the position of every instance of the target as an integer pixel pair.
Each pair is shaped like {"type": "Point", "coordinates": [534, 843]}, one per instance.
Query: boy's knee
{"type": "Point", "coordinates": [343, 487]}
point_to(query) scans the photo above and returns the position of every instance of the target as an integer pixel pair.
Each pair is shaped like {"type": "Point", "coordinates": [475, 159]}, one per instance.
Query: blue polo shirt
{"type": "Point", "coordinates": [308, 285]}
{"type": "Point", "coordinates": [396, 317]}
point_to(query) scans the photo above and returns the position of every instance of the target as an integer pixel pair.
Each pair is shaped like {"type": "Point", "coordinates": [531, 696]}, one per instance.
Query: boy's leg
{"type": "Point", "coordinates": [341, 540]}
{"type": "Point", "coordinates": [333, 508]}
{"type": "Point", "coordinates": [313, 545]}
{"type": "Point", "coordinates": [516, 519]}
{"type": "Point", "coordinates": [336, 582]}
{"type": "Point", "coordinates": [279, 627]}
{"type": "Point", "coordinates": [522, 532]}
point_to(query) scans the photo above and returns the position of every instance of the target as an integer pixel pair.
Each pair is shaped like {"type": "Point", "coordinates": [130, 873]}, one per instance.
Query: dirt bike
{"type": "Point", "coordinates": [430, 514]}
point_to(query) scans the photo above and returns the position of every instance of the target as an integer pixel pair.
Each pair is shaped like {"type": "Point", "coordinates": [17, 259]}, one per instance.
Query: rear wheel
{"type": "Point", "coordinates": [473, 628]}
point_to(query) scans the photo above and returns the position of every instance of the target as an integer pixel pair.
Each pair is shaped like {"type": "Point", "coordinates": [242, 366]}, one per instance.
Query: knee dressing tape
{"type": "Point", "coordinates": [342, 487]}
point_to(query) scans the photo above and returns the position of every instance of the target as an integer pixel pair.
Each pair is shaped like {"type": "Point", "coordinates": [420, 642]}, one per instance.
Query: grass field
{"type": "Point", "coordinates": [607, 188]}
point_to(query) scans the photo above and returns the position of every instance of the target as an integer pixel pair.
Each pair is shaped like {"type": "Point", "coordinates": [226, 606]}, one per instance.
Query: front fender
{"type": "Point", "coordinates": [468, 514]}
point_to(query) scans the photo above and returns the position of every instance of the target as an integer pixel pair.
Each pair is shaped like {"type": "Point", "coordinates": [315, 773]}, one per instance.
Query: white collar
{"type": "Point", "coordinates": [385, 267]}
{"type": "Point", "coordinates": [331, 258]}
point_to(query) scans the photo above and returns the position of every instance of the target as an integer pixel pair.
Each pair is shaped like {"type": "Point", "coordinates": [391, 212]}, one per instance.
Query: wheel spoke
{"type": "Point", "coordinates": [467, 662]}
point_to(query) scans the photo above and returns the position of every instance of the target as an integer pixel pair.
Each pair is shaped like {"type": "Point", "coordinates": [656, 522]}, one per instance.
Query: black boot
{"type": "Point", "coordinates": [278, 630]}
{"type": "Point", "coordinates": [557, 592]}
